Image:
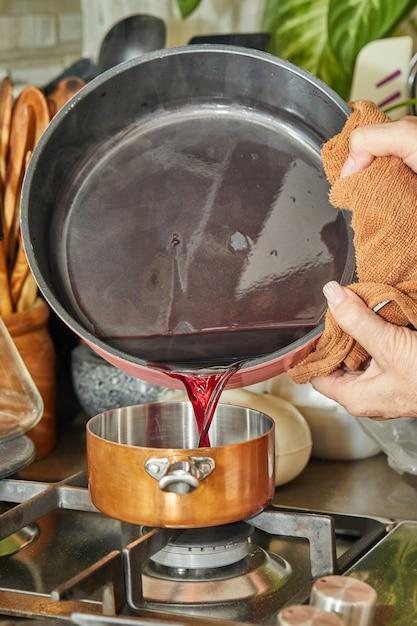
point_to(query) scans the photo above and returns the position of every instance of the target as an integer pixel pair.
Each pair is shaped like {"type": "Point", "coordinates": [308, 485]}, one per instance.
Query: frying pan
{"type": "Point", "coordinates": [175, 213]}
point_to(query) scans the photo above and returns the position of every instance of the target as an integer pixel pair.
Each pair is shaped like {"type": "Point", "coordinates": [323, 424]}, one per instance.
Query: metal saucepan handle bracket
{"type": "Point", "coordinates": [179, 475]}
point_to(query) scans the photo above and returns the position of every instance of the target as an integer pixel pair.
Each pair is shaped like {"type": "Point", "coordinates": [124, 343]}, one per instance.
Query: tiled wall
{"type": "Point", "coordinates": [38, 38]}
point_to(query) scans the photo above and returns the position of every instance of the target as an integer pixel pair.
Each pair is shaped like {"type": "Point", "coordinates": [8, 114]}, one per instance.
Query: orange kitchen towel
{"type": "Point", "coordinates": [383, 202]}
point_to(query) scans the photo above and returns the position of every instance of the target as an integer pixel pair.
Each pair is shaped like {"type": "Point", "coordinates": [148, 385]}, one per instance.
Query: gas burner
{"type": "Point", "coordinates": [215, 566]}
{"type": "Point", "coordinates": [205, 548]}
{"type": "Point", "coordinates": [257, 575]}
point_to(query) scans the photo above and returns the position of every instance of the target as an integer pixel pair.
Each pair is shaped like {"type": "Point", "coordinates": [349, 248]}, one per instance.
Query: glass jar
{"type": "Point", "coordinates": [21, 405]}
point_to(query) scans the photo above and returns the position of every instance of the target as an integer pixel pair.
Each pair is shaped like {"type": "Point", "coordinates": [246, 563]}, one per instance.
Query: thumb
{"type": "Point", "coordinates": [378, 140]}
{"type": "Point", "coordinates": [357, 320]}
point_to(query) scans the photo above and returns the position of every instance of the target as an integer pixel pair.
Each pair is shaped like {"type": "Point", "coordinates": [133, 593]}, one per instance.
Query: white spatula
{"type": "Point", "coordinates": [381, 73]}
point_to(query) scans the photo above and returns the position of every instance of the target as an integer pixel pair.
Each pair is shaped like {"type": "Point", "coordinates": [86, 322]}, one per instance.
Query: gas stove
{"type": "Point", "coordinates": [62, 559]}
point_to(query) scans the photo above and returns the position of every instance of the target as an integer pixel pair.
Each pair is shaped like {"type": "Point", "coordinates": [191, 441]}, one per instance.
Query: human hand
{"type": "Point", "coordinates": [392, 139]}
{"type": "Point", "coordinates": [388, 386]}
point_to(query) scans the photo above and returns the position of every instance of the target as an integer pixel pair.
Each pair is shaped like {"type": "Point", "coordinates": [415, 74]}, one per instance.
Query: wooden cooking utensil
{"type": "Point", "coordinates": [29, 120]}
{"type": "Point", "coordinates": [36, 110]}
{"type": "Point", "coordinates": [33, 98]}
{"type": "Point", "coordinates": [19, 274]}
{"type": "Point", "coordinates": [20, 130]}
{"type": "Point", "coordinates": [21, 267]}
{"type": "Point", "coordinates": [5, 297]}
{"type": "Point", "coordinates": [28, 294]}
{"type": "Point", "coordinates": [21, 140]}
{"type": "Point", "coordinates": [6, 106]}
{"type": "Point", "coordinates": [65, 89]}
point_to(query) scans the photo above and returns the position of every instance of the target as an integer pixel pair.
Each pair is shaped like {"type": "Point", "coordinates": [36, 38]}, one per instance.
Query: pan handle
{"type": "Point", "coordinates": [179, 475]}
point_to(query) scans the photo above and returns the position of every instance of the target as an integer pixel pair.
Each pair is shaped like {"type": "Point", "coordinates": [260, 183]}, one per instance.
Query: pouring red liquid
{"type": "Point", "coordinates": [204, 391]}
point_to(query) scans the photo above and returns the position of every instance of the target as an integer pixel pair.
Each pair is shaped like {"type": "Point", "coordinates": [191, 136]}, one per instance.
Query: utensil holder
{"type": "Point", "coordinates": [29, 331]}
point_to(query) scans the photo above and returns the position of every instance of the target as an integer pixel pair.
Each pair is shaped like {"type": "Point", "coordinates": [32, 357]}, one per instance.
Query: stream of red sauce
{"type": "Point", "coordinates": [204, 391]}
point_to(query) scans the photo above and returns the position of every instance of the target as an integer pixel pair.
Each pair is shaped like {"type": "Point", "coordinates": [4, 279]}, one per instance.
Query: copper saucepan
{"type": "Point", "coordinates": [145, 467]}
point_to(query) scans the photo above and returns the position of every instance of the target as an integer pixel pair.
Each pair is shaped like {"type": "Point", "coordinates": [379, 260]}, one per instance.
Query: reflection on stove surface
{"type": "Point", "coordinates": [68, 541]}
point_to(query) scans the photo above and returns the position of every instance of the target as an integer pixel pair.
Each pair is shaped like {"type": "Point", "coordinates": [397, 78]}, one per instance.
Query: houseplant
{"type": "Point", "coordinates": [325, 36]}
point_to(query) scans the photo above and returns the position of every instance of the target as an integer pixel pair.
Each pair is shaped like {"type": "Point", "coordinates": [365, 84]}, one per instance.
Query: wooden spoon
{"type": "Point", "coordinates": [6, 106]}
{"type": "Point", "coordinates": [21, 141]}
{"type": "Point", "coordinates": [21, 267]}
{"type": "Point", "coordinates": [5, 297]}
{"type": "Point", "coordinates": [29, 120]}
{"type": "Point", "coordinates": [28, 294]}
{"type": "Point", "coordinates": [33, 98]}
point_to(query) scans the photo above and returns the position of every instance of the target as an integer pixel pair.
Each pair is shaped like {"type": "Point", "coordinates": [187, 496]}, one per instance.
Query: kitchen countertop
{"type": "Point", "coordinates": [367, 487]}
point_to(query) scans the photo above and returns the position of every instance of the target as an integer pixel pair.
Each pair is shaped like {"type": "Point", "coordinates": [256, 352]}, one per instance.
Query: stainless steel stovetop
{"type": "Point", "coordinates": [62, 559]}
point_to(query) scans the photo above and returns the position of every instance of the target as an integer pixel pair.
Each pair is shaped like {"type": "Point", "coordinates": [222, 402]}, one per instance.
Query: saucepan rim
{"type": "Point", "coordinates": [95, 421]}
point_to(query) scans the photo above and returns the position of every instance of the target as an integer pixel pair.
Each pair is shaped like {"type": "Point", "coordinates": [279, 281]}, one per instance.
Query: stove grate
{"type": "Point", "coordinates": [115, 575]}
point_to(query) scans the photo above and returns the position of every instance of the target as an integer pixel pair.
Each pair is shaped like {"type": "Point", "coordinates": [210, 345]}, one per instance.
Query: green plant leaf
{"type": "Point", "coordinates": [325, 36]}
{"type": "Point", "coordinates": [187, 7]}
{"type": "Point", "coordinates": [402, 104]}
{"type": "Point", "coordinates": [332, 73]}
{"type": "Point", "coordinates": [299, 30]}
{"type": "Point", "coordinates": [354, 23]}
{"type": "Point", "coordinates": [299, 34]}
{"type": "Point", "coordinates": [270, 19]}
